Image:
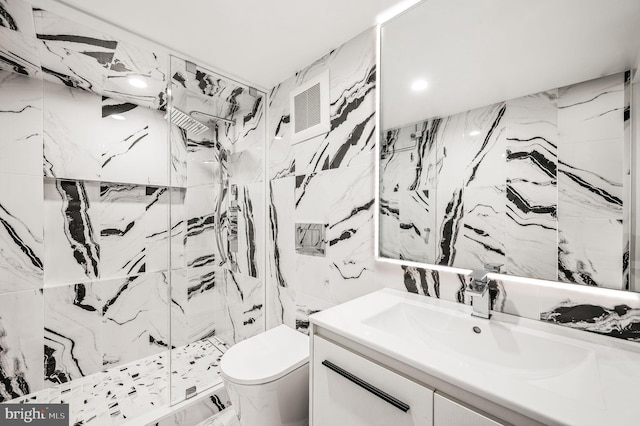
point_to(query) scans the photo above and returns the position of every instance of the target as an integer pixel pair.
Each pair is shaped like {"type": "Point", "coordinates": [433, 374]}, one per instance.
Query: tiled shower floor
{"type": "Point", "coordinates": [120, 394]}
{"type": "Point", "coordinates": [227, 417]}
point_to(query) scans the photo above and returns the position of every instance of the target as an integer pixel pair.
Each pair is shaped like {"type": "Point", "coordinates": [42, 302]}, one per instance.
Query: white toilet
{"type": "Point", "coordinates": [267, 378]}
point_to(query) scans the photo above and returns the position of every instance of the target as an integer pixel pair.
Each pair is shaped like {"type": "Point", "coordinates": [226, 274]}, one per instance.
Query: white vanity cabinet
{"type": "Point", "coordinates": [449, 413]}
{"type": "Point", "coordinates": [348, 389]}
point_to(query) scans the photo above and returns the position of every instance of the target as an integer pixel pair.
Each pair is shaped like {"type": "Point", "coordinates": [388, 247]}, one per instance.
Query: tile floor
{"type": "Point", "coordinates": [116, 396]}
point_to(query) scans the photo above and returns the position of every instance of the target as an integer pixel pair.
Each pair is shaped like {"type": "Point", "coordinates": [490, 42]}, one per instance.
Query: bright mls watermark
{"type": "Point", "coordinates": [34, 414]}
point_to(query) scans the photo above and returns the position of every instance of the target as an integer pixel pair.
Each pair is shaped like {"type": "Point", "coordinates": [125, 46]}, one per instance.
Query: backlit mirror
{"type": "Point", "coordinates": [507, 138]}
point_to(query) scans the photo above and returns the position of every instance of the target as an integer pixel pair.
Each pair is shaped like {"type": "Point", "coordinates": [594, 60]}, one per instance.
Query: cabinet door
{"type": "Point", "coordinates": [350, 390]}
{"type": "Point", "coordinates": [449, 413]}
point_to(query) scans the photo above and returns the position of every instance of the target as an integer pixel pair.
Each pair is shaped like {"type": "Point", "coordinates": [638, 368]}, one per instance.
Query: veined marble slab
{"type": "Point", "coordinates": [72, 245]}
{"type": "Point", "coordinates": [73, 54]}
{"type": "Point", "coordinates": [21, 121]}
{"type": "Point", "coordinates": [22, 253]}
{"type": "Point", "coordinates": [21, 341]}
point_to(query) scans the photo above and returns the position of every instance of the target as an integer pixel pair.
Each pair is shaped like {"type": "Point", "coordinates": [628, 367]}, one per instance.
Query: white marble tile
{"type": "Point", "coordinates": [19, 53]}
{"type": "Point", "coordinates": [178, 314]}
{"type": "Point", "coordinates": [420, 281]}
{"type": "Point", "coordinates": [125, 318]}
{"type": "Point", "coordinates": [591, 110]}
{"type": "Point", "coordinates": [122, 230]}
{"type": "Point", "coordinates": [243, 296]}
{"type": "Point", "coordinates": [418, 233]}
{"type": "Point", "coordinates": [21, 233]}
{"type": "Point", "coordinates": [228, 417]}
{"type": "Point", "coordinates": [21, 357]}
{"type": "Point", "coordinates": [307, 305]}
{"type": "Point", "coordinates": [71, 146]}
{"type": "Point", "coordinates": [207, 161]}
{"type": "Point", "coordinates": [596, 310]}
{"type": "Point", "coordinates": [17, 16]}
{"type": "Point", "coordinates": [281, 159]}
{"type": "Point", "coordinates": [134, 150]}
{"type": "Point", "coordinates": [250, 121]}
{"type": "Point", "coordinates": [71, 53]}
{"type": "Point", "coordinates": [450, 286]}
{"type": "Point", "coordinates": [21, 123]}
{"type": "Point", "coordinates": [350, 236]}
{"type": "Point", "coordinates": [590, 251]}
{"type": "Point", "coordinates": [480, 238]}
{"type": "Point", "coordinates": [311, 156]}
{"type": "Point", "coordinates": [352, 93]}
{"type": "Point", "coordinates": [161, 202]}
{"type": "Point", "coordinates": [247, 166]}
{"type": "Point", "coordinates": [518, 299]}
{"type": "Point", "coordinates": [590, 179]}
{"type": "Point", "coordinates": [130, 60]}
{"type": "Point", "coordinates": [532, 192]}
{"type": "Point", "coordinates": [389, 228]}
{"type": "Point", "coordinates": [281, 241]}
{"type": "Point", "coordinates": [390, 163]}
{"type": "Point", "coordinates": [487, 166]}
{"type": "Point", "coordinates": [157, 315]}
{"type": "Point", "coordinates": [250, 256]}
{"type": "Point", "coordinates": [178, 157]}
{"type": "Point", "coordinates": [200, 205]}
{"type": "Point", "coordinates": [72, 244]}
{"type": "Point", "coordinates": [312, 277]}
{"type": "Point", "coordinates": [280, 306]}
{"type": "Point", "coordinates": [73, 332]}
{"type": "Point", "coordinates": [205, 307]}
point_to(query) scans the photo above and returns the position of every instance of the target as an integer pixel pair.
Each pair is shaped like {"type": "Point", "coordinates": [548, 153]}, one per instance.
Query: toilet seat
{"type": "Point", "coordinates": [265, 357]}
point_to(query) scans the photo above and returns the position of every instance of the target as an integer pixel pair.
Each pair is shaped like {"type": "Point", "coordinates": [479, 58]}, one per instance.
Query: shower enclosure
{"type": "Point", "coordinates": [218, 221]}
{"type": "Point", "coordinates": [131, 249]}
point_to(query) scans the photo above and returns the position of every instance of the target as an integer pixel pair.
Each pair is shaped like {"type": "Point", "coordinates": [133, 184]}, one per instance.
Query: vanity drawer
{"type": "Point", "coordinates": [448, 412]}
{"type": "Point", "coordinates": [351, 390]}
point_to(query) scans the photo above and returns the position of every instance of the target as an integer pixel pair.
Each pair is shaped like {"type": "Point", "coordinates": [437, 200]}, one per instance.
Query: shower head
{"type": "Point", "coordinates": [186, 122]}
{"type": "Point", "coordinates": [211, 117]}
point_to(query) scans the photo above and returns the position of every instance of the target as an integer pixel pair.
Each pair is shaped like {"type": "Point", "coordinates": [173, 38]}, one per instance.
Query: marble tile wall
{"type": "Point", "coordinates": [534, 184]}
{"type": "Point", "coordinates": [330, 179]}
{"type": "Point", "coordinates": [102, 204]}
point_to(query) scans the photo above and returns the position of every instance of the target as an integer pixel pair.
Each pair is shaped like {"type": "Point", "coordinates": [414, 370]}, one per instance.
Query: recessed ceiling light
{"type": "Point", "coordinates": [138, 82]}
{"type": "Point", "coordinates": [277, 137]}
{"type": "Point", "coordinates": [474, 133]}
{"type": "Point", "coordinates": [419, 85]}
{"type": "Point", "coordinates": [117, 117]}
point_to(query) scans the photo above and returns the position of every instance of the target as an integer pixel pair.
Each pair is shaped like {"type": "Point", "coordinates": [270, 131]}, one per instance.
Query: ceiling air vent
{"type": "Point", "coordinates": [310, 108]}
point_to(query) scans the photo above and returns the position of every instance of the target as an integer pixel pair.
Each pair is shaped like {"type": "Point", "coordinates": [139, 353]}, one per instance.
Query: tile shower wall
{"type": "Point", "coordinates": [87, 182]}
{"type": "Point", "coordinates": [83, 268]}
{"type": "Point", "coordinates": [211, 295]}
{"type": "Point", "coordinates": [330, 179]}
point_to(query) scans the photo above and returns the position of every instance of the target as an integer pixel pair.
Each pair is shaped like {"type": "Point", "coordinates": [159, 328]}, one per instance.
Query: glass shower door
{"type": "Point", "coordinates": [217, 218]}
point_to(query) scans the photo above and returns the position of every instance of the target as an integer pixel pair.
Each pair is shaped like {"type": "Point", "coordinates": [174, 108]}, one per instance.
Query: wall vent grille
{"type": "Point", "coordinates": [310, 108]}
{"type": "Point", "coordinates": [307, 107]}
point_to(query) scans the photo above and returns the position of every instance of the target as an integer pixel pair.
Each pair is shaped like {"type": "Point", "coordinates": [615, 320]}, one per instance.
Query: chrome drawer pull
{"type": "Point", "coordinates": [368, 386]}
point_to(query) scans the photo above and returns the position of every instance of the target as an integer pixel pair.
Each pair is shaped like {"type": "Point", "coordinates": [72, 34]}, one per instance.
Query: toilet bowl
{"type": "Point", "coordinates": [267, 378]}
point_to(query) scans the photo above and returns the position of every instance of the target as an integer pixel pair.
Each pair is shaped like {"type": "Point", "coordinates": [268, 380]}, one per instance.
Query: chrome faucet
{"type": "Point", "coordinates": [478, 290]}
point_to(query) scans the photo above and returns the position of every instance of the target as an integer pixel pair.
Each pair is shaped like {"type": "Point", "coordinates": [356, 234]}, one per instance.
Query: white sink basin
{"type": "Point", "coordinates": [479, 343]}
{"type": "Point", "coordinates": [553, 374]}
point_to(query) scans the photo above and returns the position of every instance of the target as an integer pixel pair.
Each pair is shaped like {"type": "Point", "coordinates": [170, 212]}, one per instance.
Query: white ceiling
{"type": "Point", "coordinates": [474, 53]}
{"type": "Point", "coordinates": [262, 42]}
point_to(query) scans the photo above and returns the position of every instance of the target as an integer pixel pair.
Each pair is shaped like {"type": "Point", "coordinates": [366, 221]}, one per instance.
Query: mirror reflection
{"type": "Point", "coordinates": [507, 139]}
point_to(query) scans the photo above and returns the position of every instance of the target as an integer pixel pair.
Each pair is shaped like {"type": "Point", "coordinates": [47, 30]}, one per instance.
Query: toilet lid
{"type": "Point", "coordinates": [265, 357]}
